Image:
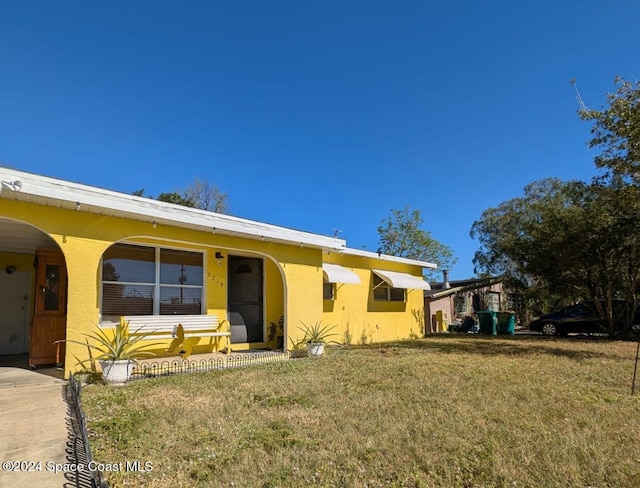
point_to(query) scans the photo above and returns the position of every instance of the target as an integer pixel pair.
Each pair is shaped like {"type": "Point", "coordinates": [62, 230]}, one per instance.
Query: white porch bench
{"type": "Point", "coordinates": [156, 327]}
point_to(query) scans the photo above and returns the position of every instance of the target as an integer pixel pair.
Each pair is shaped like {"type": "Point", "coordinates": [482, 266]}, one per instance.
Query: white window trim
{"type": "Point", "coordinates": [387, 287]}
{"type": "Point", "coordinates": [489, 302]}
{"type": "Point", "coordinates": [156, 285]}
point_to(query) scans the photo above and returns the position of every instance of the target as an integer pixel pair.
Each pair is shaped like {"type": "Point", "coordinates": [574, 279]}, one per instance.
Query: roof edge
{"type": "Point", "coordinates": [119, 204]}
{"type": "Point", "coordinates": [387, 257]}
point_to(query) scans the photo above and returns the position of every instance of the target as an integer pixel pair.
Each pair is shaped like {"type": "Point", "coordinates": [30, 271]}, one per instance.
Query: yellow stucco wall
{"type": "Point", "coordinates": [360, 319]}
{"type": "Point", "coordinates": [273, 295]}
{"type": "Point", "coordinates": [293, 277]}
{"type": "Point", "coordinates": [84, 237]}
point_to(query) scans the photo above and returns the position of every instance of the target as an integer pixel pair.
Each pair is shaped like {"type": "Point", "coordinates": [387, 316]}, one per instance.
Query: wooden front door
{"type": "Point", "coordinates": [49, 321]}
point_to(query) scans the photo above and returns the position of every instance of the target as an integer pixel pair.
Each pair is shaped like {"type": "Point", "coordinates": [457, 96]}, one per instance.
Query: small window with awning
{"type": "Point", "coordinates": [390, 286]}
{"type": "Point", "coordinates": [328, 291]}
{"type": "Point", "coordinates": [334, 273]}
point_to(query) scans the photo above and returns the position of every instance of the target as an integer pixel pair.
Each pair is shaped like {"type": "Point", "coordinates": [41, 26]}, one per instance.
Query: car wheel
{"type": "Point", "coordinates": [549, 329]}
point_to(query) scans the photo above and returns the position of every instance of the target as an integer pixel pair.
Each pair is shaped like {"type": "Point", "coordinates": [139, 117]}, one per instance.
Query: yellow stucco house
{"type": "Point", "coordinates": [75, 257]}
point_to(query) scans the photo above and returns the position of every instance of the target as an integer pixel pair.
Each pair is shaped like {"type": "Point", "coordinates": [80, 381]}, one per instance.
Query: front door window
{"type": "Point", "coordinates": [51, 288]}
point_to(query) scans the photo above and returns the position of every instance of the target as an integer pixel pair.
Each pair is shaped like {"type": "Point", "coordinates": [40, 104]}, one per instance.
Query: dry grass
{"type": "Point", "coordinates": [443, 411]}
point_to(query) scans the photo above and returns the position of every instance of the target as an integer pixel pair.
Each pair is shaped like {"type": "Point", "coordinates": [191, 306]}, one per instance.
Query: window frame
{"type": "Point", "coordinates": [490, 302]}
{"type": "Point", "coordinates": [388, 291]}
{"type": "Point", "coordinates": [515, 301]}
{"type": "Point", "coordinates": [326, 285]}
{"type": "Point", "coordinates": [157, 285]}
{"type": "Point", "coordinates": [460, 304]}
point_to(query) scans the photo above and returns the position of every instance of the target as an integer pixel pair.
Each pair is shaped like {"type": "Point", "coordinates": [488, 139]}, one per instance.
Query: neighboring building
{"type": "Point", "coordinates": [73, 257]}
{"type": "Point", "coordinates": [451, 301]}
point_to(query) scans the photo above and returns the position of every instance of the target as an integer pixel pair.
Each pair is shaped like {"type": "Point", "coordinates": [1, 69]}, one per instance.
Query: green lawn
{"type": "Point", "coordinates": [444, 411]}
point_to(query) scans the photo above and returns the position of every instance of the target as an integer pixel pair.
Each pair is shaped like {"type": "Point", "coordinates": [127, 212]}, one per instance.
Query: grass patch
{"type": "Point", "coordinates": [450, 411]}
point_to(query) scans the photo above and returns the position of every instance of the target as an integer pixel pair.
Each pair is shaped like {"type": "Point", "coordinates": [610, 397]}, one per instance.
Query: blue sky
{"type": "Point", "coordinates": [313, 115]}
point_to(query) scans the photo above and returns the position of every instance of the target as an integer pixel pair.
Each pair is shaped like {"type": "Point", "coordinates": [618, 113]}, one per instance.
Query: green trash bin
{"type": "Point", "coordinates": [487, 321]}
{"type": "Point", "coordinates": [507, 323]}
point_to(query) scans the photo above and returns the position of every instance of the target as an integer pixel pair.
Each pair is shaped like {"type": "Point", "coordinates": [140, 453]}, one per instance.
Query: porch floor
{"type": "Point", "coordinates": [21, 361]}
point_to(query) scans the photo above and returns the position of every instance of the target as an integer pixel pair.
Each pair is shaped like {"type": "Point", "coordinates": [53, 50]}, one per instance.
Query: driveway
{"type": "Point", "coordinates": [33, 428]}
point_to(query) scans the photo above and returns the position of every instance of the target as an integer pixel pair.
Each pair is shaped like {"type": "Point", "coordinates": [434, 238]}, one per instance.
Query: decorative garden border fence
{"type": "Point", "coordinates": [83, 452]}
{"type": "Point", "coordinates": [173, 366]}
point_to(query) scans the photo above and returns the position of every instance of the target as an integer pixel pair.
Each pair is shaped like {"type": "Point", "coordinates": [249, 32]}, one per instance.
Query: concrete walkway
{"type": "Point", "coordinates": [34, 428]}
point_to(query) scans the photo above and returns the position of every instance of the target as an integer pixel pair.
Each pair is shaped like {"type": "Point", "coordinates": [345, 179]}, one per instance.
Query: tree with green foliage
{"type": "Point", "coordinates": [616, 131]}
{"type": "Point", "coordinates": [567, 241]}
{"type": "Point", "coordinates": [401, 235]}
{"type": "Point", "coordinates": [200, 194]}
{"type": "Point", "coordinates": [509, 236]}
{"type": "Point", "coordinates": [564, 242]}
{"type": "Point", "coordinates": [177, 198]}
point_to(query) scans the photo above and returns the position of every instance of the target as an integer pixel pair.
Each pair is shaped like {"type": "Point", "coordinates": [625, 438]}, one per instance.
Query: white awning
{"type": "Point", "coordinates": [334, 273]}
{"type": "Point", "coordinates": [402, 280]}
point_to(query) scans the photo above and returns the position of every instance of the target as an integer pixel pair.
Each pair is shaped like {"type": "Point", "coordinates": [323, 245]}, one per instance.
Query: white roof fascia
{"type": "Point", "coordinates": [334, 273]}
{"type": "Point", "coordinates": [387, 257]}
{"type": "Point", "coordinates": [402, 280]}
{"type": "Point", "coordinates": [42, 189]}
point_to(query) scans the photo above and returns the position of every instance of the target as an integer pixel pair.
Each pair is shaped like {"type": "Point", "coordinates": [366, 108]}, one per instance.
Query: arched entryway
{"type": "Point", "coordinates": [143, 276]}
{"type": "Point", "coordinates": [256, 301]}
{"type": "Point", "coordinates": [33, 284]}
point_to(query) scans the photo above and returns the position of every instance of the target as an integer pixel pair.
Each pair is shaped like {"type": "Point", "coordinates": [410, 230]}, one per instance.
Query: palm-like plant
{"type": "Point", "coordinates": [122, 346]}
{"type": "Point", "coordinates": [117, 353]}
{"type": "Point", "coordinates": [317, 333]}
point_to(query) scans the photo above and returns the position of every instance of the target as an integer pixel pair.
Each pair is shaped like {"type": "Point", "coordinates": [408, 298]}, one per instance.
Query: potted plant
{"type": "Point", "coordinates": [315, 336]}
{"type": "Point", "coordinates": [117, 354]}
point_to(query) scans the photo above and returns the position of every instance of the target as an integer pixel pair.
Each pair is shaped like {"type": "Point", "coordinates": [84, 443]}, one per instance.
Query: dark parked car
{"type": "Point", "coordinates": [575, 318]}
